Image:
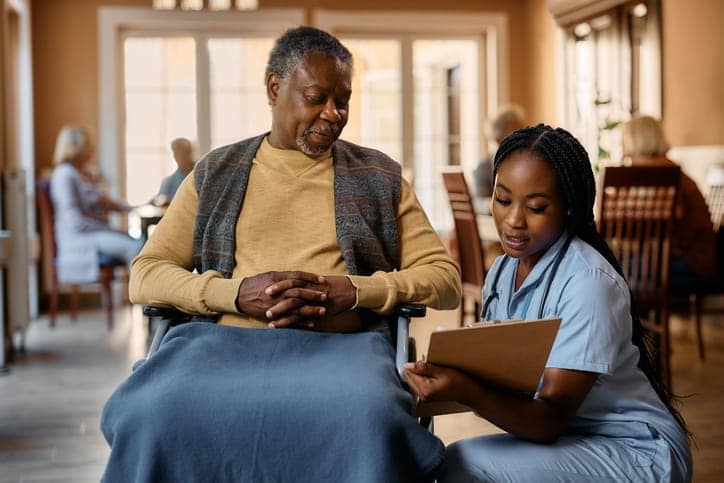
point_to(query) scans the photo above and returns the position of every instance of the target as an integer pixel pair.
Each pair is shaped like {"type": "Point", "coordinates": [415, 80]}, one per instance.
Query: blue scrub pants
{"type": "Point", "coordinates": [572, 458]}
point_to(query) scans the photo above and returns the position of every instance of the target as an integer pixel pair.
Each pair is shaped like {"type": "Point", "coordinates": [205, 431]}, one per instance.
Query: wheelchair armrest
{"type": "Point", "coordinates": [169, 317]}
{"type": "Point", "coordinates": [163, 312]}
{"type": "Point", "coordinates": [404, 314]}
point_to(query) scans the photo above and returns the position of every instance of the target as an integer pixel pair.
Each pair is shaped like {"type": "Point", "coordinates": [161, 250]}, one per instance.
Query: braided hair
{"type": "Point", "coordinates": [572, 166]}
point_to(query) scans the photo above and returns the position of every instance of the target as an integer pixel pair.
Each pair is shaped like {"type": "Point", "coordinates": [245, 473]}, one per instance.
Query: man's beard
{"type": "Point", "coordinates": [331, 130]}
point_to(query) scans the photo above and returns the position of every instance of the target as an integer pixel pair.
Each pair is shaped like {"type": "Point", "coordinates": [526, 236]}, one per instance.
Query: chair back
{"type": "Point", "coordinates": [46, 222]}
{"type": "Point", "coordinates": [636, 217]}
{"type": "Point", "coordinates": [715, 200]}
{"type": "Point", "coordinates": [46, 217]}
{"type": "Point", "coordinates": [470, 249]}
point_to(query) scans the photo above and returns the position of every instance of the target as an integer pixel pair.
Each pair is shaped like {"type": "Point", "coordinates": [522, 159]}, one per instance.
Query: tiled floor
{"type": "Point", "coordinates": [50, 402]}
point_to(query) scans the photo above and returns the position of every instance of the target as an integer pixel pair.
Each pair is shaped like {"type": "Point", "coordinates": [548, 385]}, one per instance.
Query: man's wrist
{"type": "Point", "coordinates": [356, 293]}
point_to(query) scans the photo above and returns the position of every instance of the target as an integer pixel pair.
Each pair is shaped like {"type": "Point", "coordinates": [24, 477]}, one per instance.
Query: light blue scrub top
{"type": "Point", "coordinates": [593, 303]}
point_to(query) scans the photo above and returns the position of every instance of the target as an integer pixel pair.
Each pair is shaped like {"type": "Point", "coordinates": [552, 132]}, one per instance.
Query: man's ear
{"type": "Point", "coordinates": [272, 88]}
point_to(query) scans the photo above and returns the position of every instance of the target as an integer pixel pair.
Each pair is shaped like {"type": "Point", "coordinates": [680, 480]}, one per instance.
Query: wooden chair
{"type": "Point", "coordinates": [715, 200]}
{"type": "Point", "coordinates": [470, 250]}
{"type": "Point", "coordinates": [49, 249]}
{"type": "Point", "coordinates": [636, 216]}
{"type": "Point", "coordinates": [694, 289]}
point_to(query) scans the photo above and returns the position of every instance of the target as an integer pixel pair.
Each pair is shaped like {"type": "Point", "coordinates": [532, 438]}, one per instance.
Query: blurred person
{"type": "Point", "coordinates": [508, 119]}
{"type": "Point", "coordinates": [693, 240]}
{"type": "Point", "coordinates": [183, 154]}
{"type": "Point", "coordinates": [80, 208]}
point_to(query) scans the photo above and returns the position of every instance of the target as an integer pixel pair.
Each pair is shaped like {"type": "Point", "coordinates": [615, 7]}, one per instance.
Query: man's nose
{"type": "Point", "coordinates": [330, 112]}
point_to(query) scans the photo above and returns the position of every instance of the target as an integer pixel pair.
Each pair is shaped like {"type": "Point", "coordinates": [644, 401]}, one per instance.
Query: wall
{"type": "Point", "coordinates": [693, 66]}
{"type": "Point", "coordinates": [65, 55]}
{"type": "Point", "coordinates": [65, 67]}
{"type": "Point", "coordinates": [2, 91]}
{"type": "Point", "coordinates": [540, 64]}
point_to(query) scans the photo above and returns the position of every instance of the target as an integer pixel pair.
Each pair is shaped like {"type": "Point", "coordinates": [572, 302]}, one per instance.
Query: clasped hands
{"type": "Point", "coordinates": [294, 298]}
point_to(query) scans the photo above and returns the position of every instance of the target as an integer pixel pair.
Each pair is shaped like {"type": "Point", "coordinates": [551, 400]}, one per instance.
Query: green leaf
{"type": "Point", "coordinates": [603, 154]}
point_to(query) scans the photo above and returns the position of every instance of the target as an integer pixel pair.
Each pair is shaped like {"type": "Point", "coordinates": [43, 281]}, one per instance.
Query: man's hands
{"type": "Point", "coordinates": [294, 298]}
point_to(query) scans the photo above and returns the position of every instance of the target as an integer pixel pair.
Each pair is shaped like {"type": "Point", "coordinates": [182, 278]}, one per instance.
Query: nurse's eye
{"type": "Point", "coordinates": [537, 209]}
{"type": "Point", "coordinates": [502, 201]}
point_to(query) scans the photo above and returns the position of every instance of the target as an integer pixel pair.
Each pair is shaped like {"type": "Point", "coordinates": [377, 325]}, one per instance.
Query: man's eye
{"type": "Point", "coordinates": [315, 99]}
{"type": "Point", "coordinates": [502, 201]}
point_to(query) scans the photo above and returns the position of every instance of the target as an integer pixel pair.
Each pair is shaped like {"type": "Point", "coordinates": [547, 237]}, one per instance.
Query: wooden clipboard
{"type": "Point", "coordinates": [508, 354]}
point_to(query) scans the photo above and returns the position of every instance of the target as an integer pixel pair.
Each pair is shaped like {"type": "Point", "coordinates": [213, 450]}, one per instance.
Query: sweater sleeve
{"type": "Point", "coordinates": [428, 275]}
{"type": "Point", "coordinates": [162, 273]}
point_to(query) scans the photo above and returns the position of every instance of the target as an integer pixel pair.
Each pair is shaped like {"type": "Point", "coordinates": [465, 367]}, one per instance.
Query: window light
{"type": "Point", "coordinates": [247, 4]}
{"type": "Point", "coordinates": [192, 4]}
{"type": "Point", "coordinates": [164, 4]}
{"type": "Point", "coordinates": [582, 30]}
{"type": "Point", "coordinates": [219, 4]}
{"type": "Point", "coordinates": [640, 10]}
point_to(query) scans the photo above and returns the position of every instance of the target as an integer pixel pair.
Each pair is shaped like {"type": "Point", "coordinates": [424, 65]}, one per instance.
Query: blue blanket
{"type": "Point", "coordinates": [223, 404]}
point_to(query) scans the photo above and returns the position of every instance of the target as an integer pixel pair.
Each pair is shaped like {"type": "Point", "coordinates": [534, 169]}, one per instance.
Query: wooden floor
{"type": "Point", "coordinates": [51, 400]}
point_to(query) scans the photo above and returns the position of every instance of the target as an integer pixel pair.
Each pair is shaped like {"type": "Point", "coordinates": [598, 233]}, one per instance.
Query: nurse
{"type": "Point", "coordinates": [601, 412]}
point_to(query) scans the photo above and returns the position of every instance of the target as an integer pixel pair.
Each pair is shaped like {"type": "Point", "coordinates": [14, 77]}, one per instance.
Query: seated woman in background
{"type": "Point", "coordinates": [601, 412]}
{"type": "Point", "coordinates": [694, 241]}
{"type": "Point", "coordinates": [80, 207]}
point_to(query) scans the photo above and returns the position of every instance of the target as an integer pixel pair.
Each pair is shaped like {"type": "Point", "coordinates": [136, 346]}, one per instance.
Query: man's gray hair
{"type": "Point", "coordinates": [290, 49]}
{"type": "Point", "coordinates": [507, 115]}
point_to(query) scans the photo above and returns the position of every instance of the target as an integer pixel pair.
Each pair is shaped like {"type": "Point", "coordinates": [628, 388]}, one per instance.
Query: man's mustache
{"type": "Point", "coordinates": [331, 130]}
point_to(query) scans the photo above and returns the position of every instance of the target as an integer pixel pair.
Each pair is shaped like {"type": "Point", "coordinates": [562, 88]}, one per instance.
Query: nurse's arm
{"type": "Point", "coordinates": [541, 420]}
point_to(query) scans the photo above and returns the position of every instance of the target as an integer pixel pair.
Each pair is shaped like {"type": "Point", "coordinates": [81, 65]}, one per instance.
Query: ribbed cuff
{"type": "Point", "coordinates": [220, 295]}
{"type": "Point", "coordinates": [371, 291]}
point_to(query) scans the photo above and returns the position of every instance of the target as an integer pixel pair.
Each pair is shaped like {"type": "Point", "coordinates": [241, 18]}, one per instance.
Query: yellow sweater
{"type": "Point", "coordinates": [287, 223]}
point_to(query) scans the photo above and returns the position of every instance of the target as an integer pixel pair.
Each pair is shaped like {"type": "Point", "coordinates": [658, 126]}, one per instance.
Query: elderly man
{"type": "Point", "coordinates": [183, 154]}
{"type": "Point", "coordinates": [304, 234]}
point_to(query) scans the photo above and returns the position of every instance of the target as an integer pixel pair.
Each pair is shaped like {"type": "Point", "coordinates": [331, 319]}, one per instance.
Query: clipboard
{"type": "Point", "coordinates": [509, 354]}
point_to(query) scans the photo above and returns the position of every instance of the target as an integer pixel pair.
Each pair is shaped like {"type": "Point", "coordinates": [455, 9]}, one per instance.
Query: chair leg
{"type": "Point", "coordinates": [106, 281]}
{"type": "Point", "coordinates": [74, 302]}
{"type": "Point", "coordinates": [53, 303]}
{"type": "Point", "coordinates": [665, 348]}
{"type": "Point", "coordinates": [695, 303]}
{"type": "Point", "coordinates": [463, 304]}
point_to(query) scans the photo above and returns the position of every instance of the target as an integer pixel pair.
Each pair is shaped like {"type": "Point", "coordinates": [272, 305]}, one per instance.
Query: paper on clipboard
{"type": "Point", "coordinates": [509, 354]}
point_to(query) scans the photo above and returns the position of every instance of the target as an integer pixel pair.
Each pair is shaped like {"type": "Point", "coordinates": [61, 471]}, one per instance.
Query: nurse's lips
{"type": "Point", "coordinates": [516, 242]}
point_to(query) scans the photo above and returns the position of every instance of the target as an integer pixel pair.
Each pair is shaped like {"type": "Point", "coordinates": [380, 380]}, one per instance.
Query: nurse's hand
{"type": "Point", "coordinates": [434, 383]}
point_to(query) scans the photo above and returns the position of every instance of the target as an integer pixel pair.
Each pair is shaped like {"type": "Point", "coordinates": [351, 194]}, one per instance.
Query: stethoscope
{"type": "Point", "coordinates": [554, 268]}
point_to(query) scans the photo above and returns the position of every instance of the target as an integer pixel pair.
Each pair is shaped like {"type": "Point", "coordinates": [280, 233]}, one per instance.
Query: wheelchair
{"type": "Point", "coordinates": [399, 329]}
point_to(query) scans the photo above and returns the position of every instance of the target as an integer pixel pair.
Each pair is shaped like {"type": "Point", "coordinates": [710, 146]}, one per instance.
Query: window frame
{"type": "Point", "coordinates": [115, 24]}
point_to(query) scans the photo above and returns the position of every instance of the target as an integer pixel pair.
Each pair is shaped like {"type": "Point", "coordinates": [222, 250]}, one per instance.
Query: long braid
{"type": "Point", "coordinates": [578, 187]}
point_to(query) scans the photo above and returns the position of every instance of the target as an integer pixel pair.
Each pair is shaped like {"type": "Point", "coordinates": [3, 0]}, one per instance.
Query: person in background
{"type": "Point", "coordinates": [508, 119]}
{"type": "Point", "coordinates": [693, 241]}
{"type": "Point", "coordinates": [80, 207]}
{"type": "Point", "coordinates": [601, 412]}
{"type": "Point", "coordinates": [184, 156]}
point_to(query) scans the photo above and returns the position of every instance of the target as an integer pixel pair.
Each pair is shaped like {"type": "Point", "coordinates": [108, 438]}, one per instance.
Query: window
{"type": "Point", "coordinates": [197, 75]}
{"type": "Point", "coordinates": [445, 132]}
{"type": "Point", "coordinates": [452, 67]}
{"type": "Point", "coordinates": [160, 105]}
{"type": "Point", "coordinates": [200, 76]}
{"type": "Point", "coordinates": [613, 70]}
